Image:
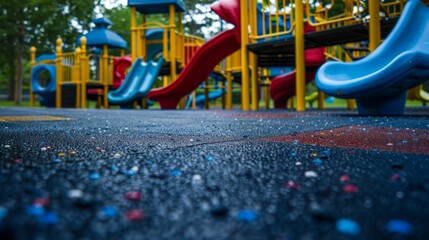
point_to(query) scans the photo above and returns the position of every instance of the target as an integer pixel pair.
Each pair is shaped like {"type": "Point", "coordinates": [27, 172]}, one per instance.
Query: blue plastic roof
{"type": "Point", "coordinates": [46, 57]}
{"type": "Point", "coordinates": [102, 36]}
{"type": "Point", "coordinates": [156, 6]}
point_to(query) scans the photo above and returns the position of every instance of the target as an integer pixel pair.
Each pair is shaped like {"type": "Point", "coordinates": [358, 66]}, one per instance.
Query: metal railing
{"type": "Point", "coordinates": [276, 18]}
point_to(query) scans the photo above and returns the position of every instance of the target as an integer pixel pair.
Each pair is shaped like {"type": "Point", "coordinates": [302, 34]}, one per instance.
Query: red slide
{"type": "Point", "coordinates": [283, 87]}
{"type": "Point", "coordinates": [205, 58]}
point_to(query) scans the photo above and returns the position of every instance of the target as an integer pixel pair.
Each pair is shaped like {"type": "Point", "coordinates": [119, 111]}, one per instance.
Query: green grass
{"type": "Point", "coordinates": [5, 103]}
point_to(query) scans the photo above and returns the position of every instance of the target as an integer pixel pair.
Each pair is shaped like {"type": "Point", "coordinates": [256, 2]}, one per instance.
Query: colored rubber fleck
{"type": "Point", "coordinates": [348, 226]}
{"type": "Point", "coordinates": [292, 154]}
{"type": "Point", "coordinates": [396, 177]}
{"type": "Point", "coordinates": [344, 178]}
{"type": "Point", "coordinates": [398, 226]}
{"type": "Point", "coordinates": [130, 172]}
{"type": "Point", "coordinates": [35, 210]}
{"type": "Point", "coordinates": [49, 218]}
{"type": "Point", "coordinates": [210, 158]}
{"type": "Point", "coordinates": [135, 215]}
{"type": "Point", "coordinates": [42, 201]}
{"type": "Point", "coordinates": [75, 193]}
{"type": "Point", "coordinates": [108, 211]}
{"type": "Point", "coordinates": [16, 160]}
{"type": "Point", "coordinates": [310, 174]}
{"type": "Point", "coordinates": [176, 172]}
{"type": "Point", "coordinates": [247, 216]}
{"type": "Point", "coordinates": [94, 176]}
{"type": "Point", "coordinates": [350, 188]}
{"type": "Point", "coordinates": [114, 168]}
{"type": "Point", "coordinates": [133, 195]}
{"type": "Point", "coordinates": [56, 160]}
{"type": "Point", "coordinates": [325, 154]}
{"type": "Point", "coordinates": [197, 179]}
{"type": "Point", "coordinates": [292, 185]}
{"type": "Point", "coordinates": [317, 161]}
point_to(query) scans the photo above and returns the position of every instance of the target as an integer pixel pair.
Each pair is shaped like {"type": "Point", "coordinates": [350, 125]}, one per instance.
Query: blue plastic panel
{"type": "Point", "coordinates": [35, 74]}
{"type": "Point", "coordinates": [156, 6]}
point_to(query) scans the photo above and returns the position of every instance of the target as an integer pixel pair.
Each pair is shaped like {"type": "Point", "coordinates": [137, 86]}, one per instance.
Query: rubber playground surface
{"type": "Point", "coordinates": [134, 174]}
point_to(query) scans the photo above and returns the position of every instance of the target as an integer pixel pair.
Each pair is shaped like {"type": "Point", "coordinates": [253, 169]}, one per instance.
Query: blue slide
{"type": "Point", "coordinates": [380, 81]}
{"type": "Point", "coordinates": [137, 83]}
{"type": "Point", "coordinates": [141, 76]}
{"type": "Point", "coordinates": [199, 100]}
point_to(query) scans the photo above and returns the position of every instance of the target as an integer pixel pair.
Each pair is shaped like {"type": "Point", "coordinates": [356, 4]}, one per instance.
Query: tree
{"type": "Point", "coordinates": [37, 23]}
{"type": "Point", "coordinates": [199, 19]}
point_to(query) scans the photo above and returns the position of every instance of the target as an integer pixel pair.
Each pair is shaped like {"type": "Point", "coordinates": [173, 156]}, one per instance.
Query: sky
{"type": "Point", "coordinates": [114, 3]}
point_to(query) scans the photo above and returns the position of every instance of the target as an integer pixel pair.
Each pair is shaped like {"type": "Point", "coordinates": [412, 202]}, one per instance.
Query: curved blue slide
{"type": "Point", "coordinates": [141, 76]}
{"type": "Point", "coordinates": [379, 82]}
{"type": "Point", "coordinates": [137, 83]}
{"type": "Point", "coordinates": [199, 100]}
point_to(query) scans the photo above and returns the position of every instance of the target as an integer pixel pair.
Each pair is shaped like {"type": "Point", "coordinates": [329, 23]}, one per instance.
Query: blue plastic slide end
{"type": "Point", "coordinates": [391, 105]}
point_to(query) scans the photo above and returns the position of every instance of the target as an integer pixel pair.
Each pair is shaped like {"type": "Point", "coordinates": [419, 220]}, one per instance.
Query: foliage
{"type": "Point", "coordinates": [37, 23]}
{"type": "Point", "coordinates": [199, 18]}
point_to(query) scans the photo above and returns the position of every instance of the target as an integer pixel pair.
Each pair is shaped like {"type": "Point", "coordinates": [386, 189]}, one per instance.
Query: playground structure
{"type": "Point", "coordinates": [380, 81]}
{"type": "Point", "coordinates": [276, 36]}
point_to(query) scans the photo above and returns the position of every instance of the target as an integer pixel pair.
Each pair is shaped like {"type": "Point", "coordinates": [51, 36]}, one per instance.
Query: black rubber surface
{"type": "Point", "coordinates": [133, 174]}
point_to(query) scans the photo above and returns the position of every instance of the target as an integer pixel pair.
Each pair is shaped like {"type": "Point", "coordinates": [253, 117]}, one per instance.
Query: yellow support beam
{"type": "Point", "coordinates": [84, 71]}
{"type": "Point", "coordinates": [255, 83]}
{"type": "Point", "coordinates": [133, 29]}
{"type": "Point", "coordinates": [76, 76]}
{"type": "Point", "coordinates": [173, 65]}
{"type": "Point", "coordinates": [245, 104]}
{"type": "Point", "coordinates": [254, 59]}
{"type": "Point", "coordinates": [320, 100]}
{"type": "Point", "coordinates": [299, 56]}
{"type": "Point", "coordinates": [143, 42]}
{"type": "Point", "coordinates": [59, 72]}
{"type": "Point", "coordinates": [374, 24]}
{"type": "Point", "coordinates": [106, 74]}
{"type": "Point", "coordinates": [228, 105]}
{"type": "Point", "coordinates": [33, 63]}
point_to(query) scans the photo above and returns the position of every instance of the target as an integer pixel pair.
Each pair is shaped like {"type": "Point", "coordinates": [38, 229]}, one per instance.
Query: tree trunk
{"type": "Point", "coordinates": [11, 92]}
{"type": "Point", "coordinates": [18, 82]}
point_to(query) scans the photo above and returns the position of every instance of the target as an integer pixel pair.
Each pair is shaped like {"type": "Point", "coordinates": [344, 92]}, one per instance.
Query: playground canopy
{"type": "Point", "coordinates": [101, 35]}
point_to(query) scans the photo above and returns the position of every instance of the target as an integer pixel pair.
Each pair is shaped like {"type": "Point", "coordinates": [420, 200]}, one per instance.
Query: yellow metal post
{"type": "Point", "coordinates": [143, 42]}
{"type": "Point", "coordinates": [266, 89]}
{"type": "Point", "coordinates": [255, 82]}
{"type": "Point", "coordinates": [134, 41]}
{"type": "Point", "coordinates": [244, 56]}
{"type": "Point", "coordinates": [77, 76]}
{"type": "Point", "coordinates": [254, 59]}
{"type": "Point", "coordinates": [299, 56]}
{"type": "Point", "coordinates": [374, 24]}
{"type": "Point", "coordinates": [206, 94]}
{"type": "Point", "coordinates": [181, 55]}
{"type": "Point", "coordinates": [173, 65]}
{"type": "Point", "coordinates": [106, 73]}
{"type": "Point", "coordinates": [84, 71]}
{"type": "Point", "coordinates": [320, 100]}
{"type": "Point", "coordinates": [59, 73]}
{"type": "Point", "coordinates": [33, 63]}
{"type": "Point", "coordinates": [229, 83]}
